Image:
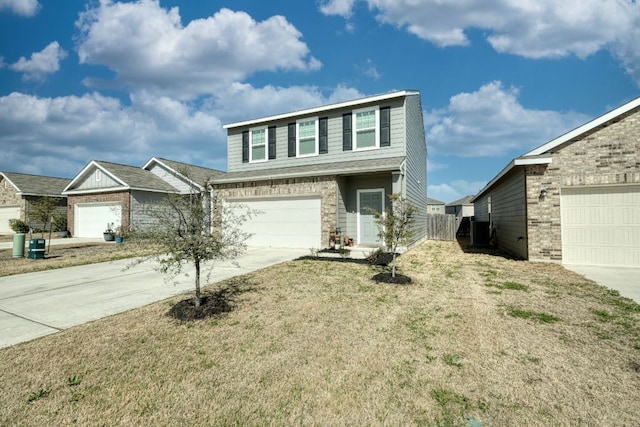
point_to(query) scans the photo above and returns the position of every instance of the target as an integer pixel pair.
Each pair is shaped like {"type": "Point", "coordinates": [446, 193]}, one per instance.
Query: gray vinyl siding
{"type": "Point", "coordinates": [416, 165]}
{"type": "Point", "coordinates": [349, 189]}
{"type": "Point", "coordinates": [143, 206]}
{"type": "Point", "coordinates": [508, 213]}
{"type": "Point", "coordinates": [334, 136]}
{"type": "Point", "coordinates": [481, 207]}
{"type": "Point", "coordinates": [170, 177]}
{"type": "Point", "coordinates": [90, 182]}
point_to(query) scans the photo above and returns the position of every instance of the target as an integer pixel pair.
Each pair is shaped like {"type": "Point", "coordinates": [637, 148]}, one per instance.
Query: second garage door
{"type": "Point", "coordinates": [7, 213]}
{"type": "Point", "coordinates": [91, 219]}
{"type": "Point", "coordinates": [284, 222]}
{"type": "Point", "coordinates": [601, 226]}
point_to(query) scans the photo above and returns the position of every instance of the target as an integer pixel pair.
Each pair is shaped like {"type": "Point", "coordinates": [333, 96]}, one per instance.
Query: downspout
{"type": "Point", "coordinates": [211, 206]}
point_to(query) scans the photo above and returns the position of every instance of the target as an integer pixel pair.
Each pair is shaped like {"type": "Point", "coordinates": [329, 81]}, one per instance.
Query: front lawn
{"type": "Point", "coordinates": [475, 339]}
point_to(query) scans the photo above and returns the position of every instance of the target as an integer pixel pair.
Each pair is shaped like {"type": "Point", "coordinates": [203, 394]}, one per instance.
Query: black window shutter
{"type": "Point", "coordinates": [272, 142]}
{"type": "Point", "coordinates": [292, 140]}
{"type": "Point", "coordinates": [245, 146]}
{"type": "Point", "coordinates": [385, 127]}
{"type": "Point", "coordinates": [323, 131]}
{"type": "Point", "coordinates": [346, 132]}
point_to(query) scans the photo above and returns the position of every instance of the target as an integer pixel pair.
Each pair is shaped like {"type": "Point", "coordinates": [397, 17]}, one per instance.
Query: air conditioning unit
{"type": "Point", "coordinates": [480, 233]}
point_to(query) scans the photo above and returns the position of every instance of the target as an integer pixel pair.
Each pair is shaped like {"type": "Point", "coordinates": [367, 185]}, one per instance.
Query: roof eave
{"type": "Point", "coordinates": [598, 121]}
{"type": "Point", "coordinates": [314, 110]}
{"type": "Point", "coordinates": [306, 174]}
{"type": "Point", "coordinates": [520, 161]}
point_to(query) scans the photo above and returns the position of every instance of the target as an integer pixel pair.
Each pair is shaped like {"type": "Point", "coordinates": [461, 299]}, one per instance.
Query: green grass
{"type": "Point", "coordinates": [532, 315]}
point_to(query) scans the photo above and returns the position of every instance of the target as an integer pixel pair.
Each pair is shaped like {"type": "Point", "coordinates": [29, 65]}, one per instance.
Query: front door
{"type": "Point", "coordinates": [369, 200]}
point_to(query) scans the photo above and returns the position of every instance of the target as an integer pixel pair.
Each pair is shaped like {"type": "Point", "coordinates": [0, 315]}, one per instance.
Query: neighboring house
{"type": "Point", "coordinates": [19, 191]}
{"type": "Point", "coordinates": [463, 211]}
{"type": "Point", "coordinates": [460, 208]}
{"type": "Point", "coordinates": [435, 206]}
{"type": "Point", "coordinates": [105, 193]}
{"type": "Point", "coordinates": [575, 199]}
{"type": "Point", "coordinates": [313, 171]}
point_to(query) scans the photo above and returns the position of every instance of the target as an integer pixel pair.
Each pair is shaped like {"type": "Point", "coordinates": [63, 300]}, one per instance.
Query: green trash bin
{"type": "Point", "coordinates": [36, 248]}
{"type": "Point", "coordinates": [18, 245]}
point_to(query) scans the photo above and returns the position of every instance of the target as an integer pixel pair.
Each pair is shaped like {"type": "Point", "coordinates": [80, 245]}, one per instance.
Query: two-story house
{"type": "Point", "coordinates": [313, 171]}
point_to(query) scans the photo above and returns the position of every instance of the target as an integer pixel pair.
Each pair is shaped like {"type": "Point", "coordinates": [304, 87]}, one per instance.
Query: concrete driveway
{"type": "Point", "coordinates": [37, 304]}
{"type": "Point", "coordinates": [623, 279]}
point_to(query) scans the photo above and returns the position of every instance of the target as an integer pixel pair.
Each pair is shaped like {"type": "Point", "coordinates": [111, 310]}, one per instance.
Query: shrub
{"type": "Point", "coordinates": [18, 225]}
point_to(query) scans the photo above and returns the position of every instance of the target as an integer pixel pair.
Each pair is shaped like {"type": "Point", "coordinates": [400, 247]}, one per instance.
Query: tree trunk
{"type": "Point", "coordinates": [197, 298]}
{"type": "Point", "coordinates": [393, 264]}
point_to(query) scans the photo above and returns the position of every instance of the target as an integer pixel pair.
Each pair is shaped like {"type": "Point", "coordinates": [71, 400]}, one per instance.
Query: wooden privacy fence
{"type": "Point", "coordinates": [441, 226]}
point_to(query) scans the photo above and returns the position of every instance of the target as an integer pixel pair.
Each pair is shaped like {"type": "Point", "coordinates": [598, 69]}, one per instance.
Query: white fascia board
{"type": "Point", "coordinates": [18, 192]}
{"type": "Point", "coordinates": [80, 176]}
{"type": "Point", "coordinates": [520, 161]}
{"type": "Point", "coordinates": [173, 171]}
{"type": "Point", "coordinates": [95, 191]}
{"type": "Point", "coordinates": [584, 128]}
{"type": "Point", "coordinates": [324, 108]}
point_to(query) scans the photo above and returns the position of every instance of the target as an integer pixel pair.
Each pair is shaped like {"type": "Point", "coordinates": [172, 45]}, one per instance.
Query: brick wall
{"type": "Point", "coordinates": [325, 187]}
{"type": "Point", "coordinates": [608, 155]}
{"type": "Point", "coordinates": [122, 196]}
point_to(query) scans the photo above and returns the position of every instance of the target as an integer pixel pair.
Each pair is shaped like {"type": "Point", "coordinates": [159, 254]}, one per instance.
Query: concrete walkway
{"type": "Point", "coordinates": [54, 241]}
{"type": "Point", "coordinates": [623, 279]}
{"type": "Point", "coordinates": [33, 305]}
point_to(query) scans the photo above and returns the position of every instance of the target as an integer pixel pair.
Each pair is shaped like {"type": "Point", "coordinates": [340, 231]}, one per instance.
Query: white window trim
{"type": "Point", "coordinates": [317, 136]}
{"type": "Point", "coordinates": [354, 128]}
{"type": "Point", "coordinates": [266, 144]}
{"type": "Point", "coordinates": [368, 190]}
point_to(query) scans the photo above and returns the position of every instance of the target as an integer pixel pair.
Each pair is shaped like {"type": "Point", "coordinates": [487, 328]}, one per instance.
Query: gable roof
{"type": "Point", "coordinates": [431, 201]}
{"type": "Point", "coordinates": [36, 185]}
{"type": "Point", "coordinates": [325, 108]}
{"type": "Point", "coordinates": [464, 201]}
{"type": "Point", "coordinates": [336, 168]}
{"type": "Point", "coordinates": [196, 174]}
{"type": "Point", "coordinates": [543, 154]}
{"type": "Point", "coordinates": [576, 133]}
{"type": "Point", "coordinates": [129, 178]}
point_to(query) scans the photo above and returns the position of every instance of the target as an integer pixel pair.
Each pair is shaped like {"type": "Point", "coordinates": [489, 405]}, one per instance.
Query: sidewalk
{"type": "Point", "coordinates": [53, 241]}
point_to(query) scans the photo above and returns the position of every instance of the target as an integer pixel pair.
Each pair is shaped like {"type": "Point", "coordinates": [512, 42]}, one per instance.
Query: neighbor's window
{"type": "Point", "coordinates": [307, 137]}
{"type": "Point", "coordinates": [365, 125]}
{"type": "Point", "coordinates": [258, 143]}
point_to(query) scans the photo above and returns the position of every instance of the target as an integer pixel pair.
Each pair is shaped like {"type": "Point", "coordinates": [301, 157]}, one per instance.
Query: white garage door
{"type": "Point", "coordinates": [7, 213]}
{"type": "Point", "coordinates": [601, 226]}
{"type": "Point", "coordinates": [284, 222]}
{"type": "Point", "coordinates": [91, 219]}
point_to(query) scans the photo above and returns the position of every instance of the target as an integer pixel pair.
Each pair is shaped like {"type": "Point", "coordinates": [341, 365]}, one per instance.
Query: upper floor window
{"type": "Point", "coordinates": [307, 142]}
{"type": "Point", "coordinates": [365, 127]}
{"type": "Point", "coordinates": [258, 144]}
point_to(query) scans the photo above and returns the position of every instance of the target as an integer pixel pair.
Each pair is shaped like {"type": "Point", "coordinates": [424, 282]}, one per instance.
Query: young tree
{"type": "Point", "coordinates": [41, 212]}
{"type": "Point", "coordinates": [395, 225]}
{"type": "Point", "coordinates": [192, 229]}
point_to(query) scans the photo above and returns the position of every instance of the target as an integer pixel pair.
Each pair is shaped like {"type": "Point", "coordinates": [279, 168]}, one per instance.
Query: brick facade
{"type": "Point", "coordinates": [121, 196]}
{"type": "Point", "coordinates": [608, 155]}
{"type": "Point", "coordinates": [325, 187]}
{"type": "Point", "coordinates": [9, 197]}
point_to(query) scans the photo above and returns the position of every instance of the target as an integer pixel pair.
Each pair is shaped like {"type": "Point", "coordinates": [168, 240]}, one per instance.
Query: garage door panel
{"type": "Point", "coordinates": [601, 226]}
{"type": "Point", "coordinates": [92, 219]}
{"type": "Point", "coordinates": [7, 213]}
{"type": "Point", "coordinates": [284, 222]}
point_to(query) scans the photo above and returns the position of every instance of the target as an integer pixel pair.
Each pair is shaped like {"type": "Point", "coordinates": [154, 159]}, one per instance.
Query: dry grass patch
{"type": "Point", "coordinates": [319, 342]}
{"type": "Point", "coordinates": [60, 256]}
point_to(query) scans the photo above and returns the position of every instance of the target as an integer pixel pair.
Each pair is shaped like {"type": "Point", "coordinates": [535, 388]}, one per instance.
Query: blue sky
{"type": "Point", "coordinates": [125, 81]}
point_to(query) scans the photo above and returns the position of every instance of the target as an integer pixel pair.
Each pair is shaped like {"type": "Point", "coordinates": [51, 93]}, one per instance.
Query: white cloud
{"type": "Point", "coordinates": [149, 48]}
{"type": "Point", "coordinates": [455, 190]}
{"type": "Point", "coordinates": [21, 7]}
{"type": "Point", "coordinates": [532, 29]}
{"type": "Point", "coordinates": [492, 122]}
{"type": "Point", "coordinates": [58, 136]}
{"type": "Point", "coordinates": [342, 8]}
{"type": "Point", "coordinates": [42, 63]}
